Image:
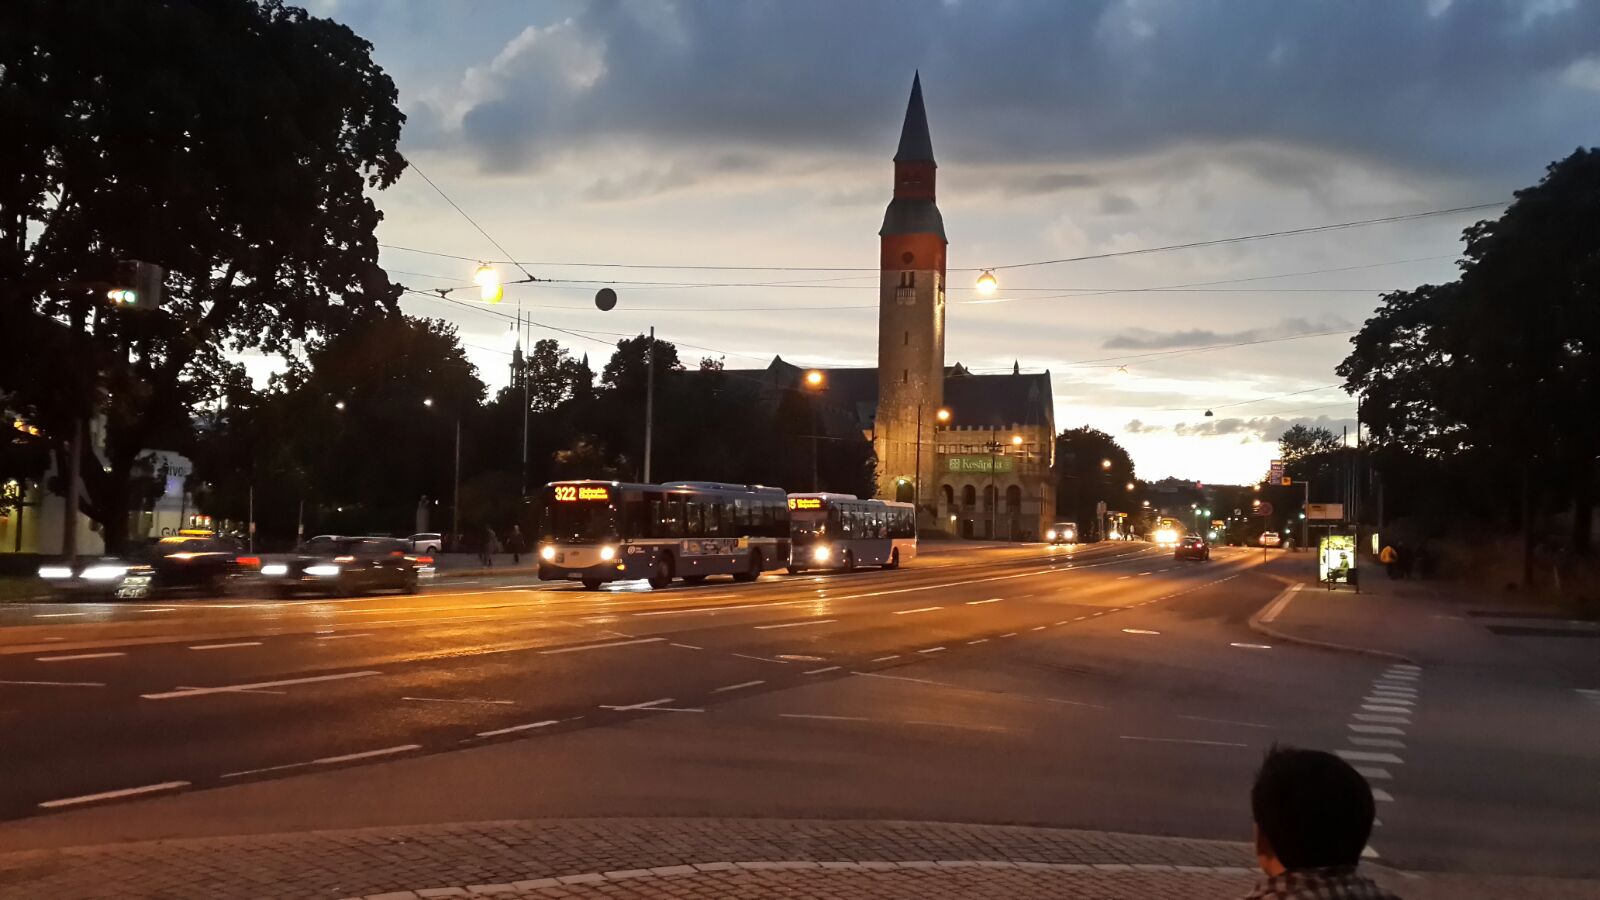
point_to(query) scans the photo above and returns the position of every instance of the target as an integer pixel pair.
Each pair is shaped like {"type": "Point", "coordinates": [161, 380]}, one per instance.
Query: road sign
{"type": "Point", "coordinates": [1333, 511]}
{"type": "Point", "coordinates": [1286, 481]}
{"type": "Point", "coordinates": [1277, 471]}
{"type": "Point", "coordinates": [1264, 509]}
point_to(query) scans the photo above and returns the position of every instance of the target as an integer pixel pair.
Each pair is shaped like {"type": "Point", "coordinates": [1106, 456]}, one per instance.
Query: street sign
{"type": "Point", "coordinates": [1277, 471]}
{"type": "Point", "coordinates": [1328, 511]}
{"type": "Point", "coordinates": [1286, 481]}
{"type": "Point", "coordinates": [1264, 509]}
{"type": "Point", "coordinates": [1218, 523]}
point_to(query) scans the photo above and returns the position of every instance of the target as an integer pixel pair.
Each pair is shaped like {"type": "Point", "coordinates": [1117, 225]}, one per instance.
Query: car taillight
{"type": "Point", "coordinates": [424, 560]}
{"type": "Point", "coordinates": [253, 562]}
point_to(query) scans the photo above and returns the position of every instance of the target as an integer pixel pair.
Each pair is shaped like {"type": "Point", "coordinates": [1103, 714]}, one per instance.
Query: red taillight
{"type": "Point", "coordinates": [424, 560]}
{"type": "Point", "coordinates": [253, 562]}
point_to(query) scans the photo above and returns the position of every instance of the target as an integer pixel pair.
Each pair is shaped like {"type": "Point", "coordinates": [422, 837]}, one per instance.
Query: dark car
{"type": "Point", "coordinates": [195, 562]}
{"type": "Point", "coordinates": [1192, 547]}
{"type": "Point", "coordinates": [344, 566]}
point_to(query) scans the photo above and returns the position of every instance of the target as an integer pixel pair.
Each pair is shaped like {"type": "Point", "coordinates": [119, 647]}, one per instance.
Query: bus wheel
{"type": "Point", "coordinates": [755, 568]}
{"type": "Point", "coordinates": [894, 560]}
{"type": "Point", "coordinates": [849, 561]}
{"type": "Point", "coordinates": [591, 584]}
{"type": "Point", "coordinates": [663, 574]}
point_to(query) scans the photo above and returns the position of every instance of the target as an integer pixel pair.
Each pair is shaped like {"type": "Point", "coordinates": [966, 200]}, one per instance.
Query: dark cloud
{"type": "Point", "coordinates": [1117, 204]}
{"type": "Point", "coordinates": [1145, 339]}
{"type": "Point", "coordinates": [1252, 430]}
{"type": "Point", "coordinates": [1474, 87]}
{"type": "Point", "coordinates": [651, 182]}
{"type": "Point", "coordinates": [1045, 183]}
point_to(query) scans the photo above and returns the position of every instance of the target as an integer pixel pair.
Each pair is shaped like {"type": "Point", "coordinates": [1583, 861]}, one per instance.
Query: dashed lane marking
{"type": "Point", "coordinates": [260, 685]}
{"type": "Point", "coordinates": [687, 647]}
{"type": "Point", "coordinates": [981, 602]}
{"type": "Point", "coordinates": [1139, 631]}
{"type": "Point", "coordinates": [932, 650]}
{"type": "Point", "coordinates": [368, 754]}
{"type": "Point", "coordinates": [823, 717]}
{"type": "Point", "coordinates": [978, 641]}
{"type": "Point", "coordinates": [1009, 634]}
{"type": "Point", "coordinates": [59, 683]}
{"type": "Point", "coordinates": [1250, 646]}
{"type": "Point", "coordinates": [58, 615]}
{"type": "Point", "coordinates": [224, 646]}
{"type": "Point", "coordinates": [738, 687]}
{"type": "Point", "coordinates": [821, 670]}
{"type": "Point", "coordinates": [887, 658]}
{"type": "Point", "coordinates": [113, 795]}
{"type": "Point", "coordinates": [459, 700]}
{"type": "Point", "coordinates": [781, 662]}
{"type": "Point", "coordinates": [78, 656]}
{"type": "Point", "coordinates": [513, 729]}
{"type": "Point", "coordinates": [796, 624]}
{"type": "Point", "coordinates": [604, 646]}
{"type": "Point", "coordinates": [336, 637]}
{"type": "Point", "coordinates": [907, 612]}
{"type": "Point", "coordinates": [1037, 628]}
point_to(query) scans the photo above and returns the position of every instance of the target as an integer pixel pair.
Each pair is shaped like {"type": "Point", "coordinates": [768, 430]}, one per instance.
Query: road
{"type": "Point", "coordinates": [1105, 686]}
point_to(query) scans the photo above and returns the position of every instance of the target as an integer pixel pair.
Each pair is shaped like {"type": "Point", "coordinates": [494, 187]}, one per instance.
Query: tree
{"type": "Point", "coordinates": [1083, 479]}
{"type": "Point", "coordinates": [1502, 366]}
{"type": "Point", "coordinates": [1302, 442]}
{"type": "Point", "coordinates": [235, 148]}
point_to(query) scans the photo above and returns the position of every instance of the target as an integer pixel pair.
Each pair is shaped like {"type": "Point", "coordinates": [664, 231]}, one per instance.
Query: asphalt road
{"type": "Point", "coordinates": [1105, 686]}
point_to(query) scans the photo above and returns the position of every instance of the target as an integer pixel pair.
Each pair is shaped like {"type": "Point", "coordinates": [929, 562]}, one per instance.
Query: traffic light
{"type": "Point", "coordinates": [137, 285]}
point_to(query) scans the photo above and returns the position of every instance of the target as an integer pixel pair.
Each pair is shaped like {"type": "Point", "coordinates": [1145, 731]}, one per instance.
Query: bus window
{"type": "Point", "coordinates": [669, 517]}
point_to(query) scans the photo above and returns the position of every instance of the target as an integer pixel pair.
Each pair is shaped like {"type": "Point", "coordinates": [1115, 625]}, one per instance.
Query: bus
{"type": "Point", "coordinates": [842, 531]}
{"type": "Point", "coordinates": [600, 531]}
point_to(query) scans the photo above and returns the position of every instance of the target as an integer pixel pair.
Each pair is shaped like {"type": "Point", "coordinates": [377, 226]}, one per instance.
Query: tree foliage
{"type": "Point", "coordinates": [232, 142]}
{"type": "Point", "coordinates": [1082, 478]}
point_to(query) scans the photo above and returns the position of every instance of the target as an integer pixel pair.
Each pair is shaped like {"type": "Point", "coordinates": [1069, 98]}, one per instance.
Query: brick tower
{"type": "Point", "coordinates": [910, 316]}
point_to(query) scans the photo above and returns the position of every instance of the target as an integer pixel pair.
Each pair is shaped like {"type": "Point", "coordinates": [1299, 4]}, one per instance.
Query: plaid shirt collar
{"type": "Point", "coordinates": [1331, 883]}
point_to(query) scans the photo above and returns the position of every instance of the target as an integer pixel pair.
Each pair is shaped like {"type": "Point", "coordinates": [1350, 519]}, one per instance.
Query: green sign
{"type": "Point", "coordinates": [982, 465]}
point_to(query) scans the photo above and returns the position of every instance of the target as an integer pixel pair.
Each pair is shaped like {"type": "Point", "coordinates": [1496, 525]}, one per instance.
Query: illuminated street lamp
{"type": "Point", "coordinates": [942, 416]}
{"type": "Point", "coordinates": [427, 401]}
{"type": "Point", "coordinates": [338, 404]}
{"type": "Point", "coordinates": [1129, 485]}
{"type": "Point", "coordinates": [490, 290]}
{"type": "Point", "coordinates": [986, 283]}
{"type": "Point", "coordinates": [815, 379]}
{"type": "Point", "coordinates": [1016, 440]}
{"type": "Point", "coordinates": [1105, 464]}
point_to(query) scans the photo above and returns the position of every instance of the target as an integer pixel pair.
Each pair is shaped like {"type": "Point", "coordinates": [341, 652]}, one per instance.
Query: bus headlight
{"type": "Point", "coordinates": [105, 573]}
{"type": "Point", "coordinates": [322, 571]}
{"type": "Point", "coordinates": [820, 553]}
{"type": "Point", "coordinates": [271, 569]}
{"type": "Point", "coordinates": [547, 552]}
{"type": "Point", "coordinates": [608, 553]}
{"type": "Point", "coordinates": [55, 572]}
{"type": "Point", "coordinates": [1050, 535]}
{"type": "Point", "coordinates": [1067, 536]}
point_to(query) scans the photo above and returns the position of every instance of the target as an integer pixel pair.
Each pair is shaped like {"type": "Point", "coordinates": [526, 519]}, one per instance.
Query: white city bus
{"type": "Point", "coordinates": [841, 531]}
{"type": "Point", "coordinates": [600, 531]}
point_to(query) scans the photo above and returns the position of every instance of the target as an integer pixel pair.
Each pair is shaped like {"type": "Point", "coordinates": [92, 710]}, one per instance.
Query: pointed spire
{"type": "Point", "coordinates": [915, 144]}
{"type": "Point", "coordinates": [1016, 367]}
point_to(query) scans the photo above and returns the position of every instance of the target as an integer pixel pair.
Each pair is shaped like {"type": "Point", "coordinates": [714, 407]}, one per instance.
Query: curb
{"type": "Point", "coordinates": [1255, 624]}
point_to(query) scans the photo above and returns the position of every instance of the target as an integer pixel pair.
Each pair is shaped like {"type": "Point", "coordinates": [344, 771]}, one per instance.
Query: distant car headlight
{"type": "Point", "coordinates": [322, 571]}
{"type": "Point", "coordinates": [1069, 535]}
{"type": "Point", "coordinates": [820, 553]}
{"type": "Point", "coordinates": [55, 572]}
{"type": "Point", "coordinates": [608, 553]}
{"type": "Point", "coordinates": [105, 573]}
{"type": "Point", "coordinates": [274, 569]}
{"type": "Point", "coordinates": [1050, 535]}
{"type": "Point", "coordinates": [547, 553]}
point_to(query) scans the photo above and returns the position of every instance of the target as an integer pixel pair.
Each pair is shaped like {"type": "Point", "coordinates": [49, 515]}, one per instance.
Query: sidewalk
{"type": "Point", "coordinates": [688, 858]}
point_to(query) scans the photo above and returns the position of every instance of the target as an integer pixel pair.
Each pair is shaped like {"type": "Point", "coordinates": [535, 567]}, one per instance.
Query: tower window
{"type": "Point", "coordinates": [906, 340]}
{"type": "Point", "coordinates": [908, 279]}
{"type": "Point", "coordinates": [905, 376]}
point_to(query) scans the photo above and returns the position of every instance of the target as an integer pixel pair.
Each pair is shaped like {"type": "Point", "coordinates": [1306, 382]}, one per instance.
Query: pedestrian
{"type": "Point", "coordinates": [515, 544]}
{"type": "Point", "coordinates": [1313, 815]}
{"type": "Point", "coordinates": [1390, 558]}
{"type": "Point", "coordinates": [486, 552]}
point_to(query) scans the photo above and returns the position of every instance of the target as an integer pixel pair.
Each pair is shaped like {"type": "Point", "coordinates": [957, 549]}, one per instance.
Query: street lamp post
{"type": "Point", "coordinates": [455, 490]}
{"type": "Point", "coordinates": [814, 380]}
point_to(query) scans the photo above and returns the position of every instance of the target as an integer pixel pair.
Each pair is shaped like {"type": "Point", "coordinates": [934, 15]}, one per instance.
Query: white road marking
{"type": "Point", "coordinates": [781, 662]}
{"type": "Point", "coordinates": [907, 612]}
{"type": "Point", "coordinates": [1074, 703]}
{"type": "Point", "coordinates": [1387, 720]}
{"type": "Point", "coordinates": [335, 637]}
{"type": "Point", "coordinates": [241, 688]}
{"type": "Point", "coordinates": [78, 656]}
{"type": "Point", "coordinates": [161, 609]}
{"type": "Point", "coordinates": [1376, 708]}
{"type": "Point", "coordinates": [738, 687]}
{"type": "Point", "coordinates": [1162, 740]}
{"type": "Point", "coordinates": [515, 728]}
{"type": "Point", "coordinates": [824, 718]}
{"type": "Point", "coordinates": [1225, 722]}
{"type": "Point", "coordinates": [604, 646]}
{"type": "Point", "coordinates": [900, 678]}
{"type": "Point", "coordinates": [456, 700]}
{"type": "Point", "coordinates": [1378, 742]}
{"type": "Point", "coordinates": [1399, 676]}
{"type": "Point", "coordinates": [1009, 634]}
{"type": "Point", "coordinates": [1080, 618]}
{"type": "Point", "coordinates": [350, 757]}
{"type": "Point", "coordinates": [58, 615]}
{"type": "Point", "coordinates": [1364, 756]}
{"type": "Point", "coordinates": [1276, 609]}
{"type": "Point", "coordinates": [687, 647]}
{"type": "Point", "coordinates": [1382, 796]}
{"type": "Point", "coordinates": [1368, 853]}
{"type": "Point", "coordinates": [932, 650]}
{"type": "Point", "coordinates": [60, 683]}
{"type": "Point", "coordinates": [1250, 646]}
{"type": "Point", "coordinates": [634, 706]}
{"type": "Point", "coordinates": [112, 795]}
{"type": "Point", "coordinates": [1375, 729]}
{"type": "Point", "coordinates": [1141, 574]}
{"type": "Point", "coordinates": [1394, 689]}
{"type": "Point", "coordinates": [796, 624]}
{"type": "Point", "coordinates": [1124, 577]}
{"type": "Point", "coordinates": [978, 641]}
{"type": "Point", "coordinates": [1373, 773]}
{"type": "Point", "coordinates": [1405, 667]}
{"type": "Point", "coordinates": [981, 602]}
{"type": "Point", "coordinates": [1139, 631]}
{"type": "Point", "coordinates": [224, 646]}
{"type": "Point", "coordinates": [1397, 699]}
{"type": "Point", "coordinates": [821, 670]}
{"type": "Point", "coordinates": [1037, 628]}
{"type": "Point", "coordinates": [887, 658]}
{"type": "Point", "coordinates": [281, 768]}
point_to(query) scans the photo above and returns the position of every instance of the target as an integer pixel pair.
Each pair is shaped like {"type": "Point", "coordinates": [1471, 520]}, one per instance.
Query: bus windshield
{"type": "Point", "coordinates": [810, 523]}
{"type": "Point", "coordinates": [580, 522]}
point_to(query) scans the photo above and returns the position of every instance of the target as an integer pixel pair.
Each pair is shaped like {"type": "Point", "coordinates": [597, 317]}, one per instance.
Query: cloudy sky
{"type": "Point", "coordinates": [710, 133]}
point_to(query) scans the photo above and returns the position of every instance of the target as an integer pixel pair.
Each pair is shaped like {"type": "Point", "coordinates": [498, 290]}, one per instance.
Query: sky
{"type": "Point", "coordinates": [624, 141]}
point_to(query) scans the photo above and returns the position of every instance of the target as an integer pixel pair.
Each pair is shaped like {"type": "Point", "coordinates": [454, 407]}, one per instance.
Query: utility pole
{"type": "Point", "coordinates": [251, 527]}
{"type": "Point", "coordinates": [455, 494]}
{"type": "Point", "coordinates": [916, 478]}
{"type": "Point", "coordinates": [650, 408]}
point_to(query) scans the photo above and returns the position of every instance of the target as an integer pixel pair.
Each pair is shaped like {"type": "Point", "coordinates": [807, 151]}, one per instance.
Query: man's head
{"type": "Point", "coordinates": [1311, 810]}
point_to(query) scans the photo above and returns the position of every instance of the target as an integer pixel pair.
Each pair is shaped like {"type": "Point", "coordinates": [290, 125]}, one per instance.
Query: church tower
{"type": "Point", "coordinates": [910, 316]}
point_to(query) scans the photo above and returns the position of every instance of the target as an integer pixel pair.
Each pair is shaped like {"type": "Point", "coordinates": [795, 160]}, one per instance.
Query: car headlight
{"type": "Point", "coordinates": [1050, 535]}
{"type": "Point", "coordinates": [104, 573]}
{"type": "Point", "coordinates": [608, 553]}
{"type": "Point", "coordinates": [547, 552]}
{"type": "Point", "coordinates": [820, 553]}
{"type": "Point", "coordinates": [1068, 536]}
{"type": "Point", "coordinates": [322, 571]}
{"type": "Point", "coordinates": [55, 572]}
{"type": "Point", "coordinates": [274, 569]}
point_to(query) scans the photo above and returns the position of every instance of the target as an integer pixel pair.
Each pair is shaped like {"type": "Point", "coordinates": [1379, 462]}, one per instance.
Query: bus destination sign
{"type": "Point", "coordinates": [804, 503]}
{"type": "Point", "coordinates": [571, 493]}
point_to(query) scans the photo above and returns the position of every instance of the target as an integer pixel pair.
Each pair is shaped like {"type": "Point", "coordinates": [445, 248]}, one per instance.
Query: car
{"type": "Point", "coordinates": [1271, 539]}
{"type": "Point", "coordinates": [193, 562]}
{"type": "Point", "coordinates": [345, 566]}
{"type": "Point", "coordinates": [1062, 533]}
{"type": "Point", "coordinates": [1192, 547]}
{"type": "Point", "coordinates": [427, 542]}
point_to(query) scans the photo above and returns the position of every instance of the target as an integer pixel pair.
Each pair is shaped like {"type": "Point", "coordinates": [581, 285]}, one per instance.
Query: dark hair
{"type": "Point", "coordinates": [1313, 807]}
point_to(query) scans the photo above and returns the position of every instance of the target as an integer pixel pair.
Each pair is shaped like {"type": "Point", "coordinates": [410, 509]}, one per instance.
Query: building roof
{"type": "Point", "coordinates": [915, 143]}
{"type": "Point", "coordinates": [912, 215]}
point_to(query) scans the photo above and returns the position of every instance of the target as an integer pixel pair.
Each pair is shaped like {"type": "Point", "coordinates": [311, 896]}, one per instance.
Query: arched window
{"type": "Point", "coordinates": [988, 497]}
{"type": "Point", "coordinates": [905, 490]}
{"type": "Point", "coordinates": [949, 495]}
{"type": "Point", "coordinates": [1013, 498]}
{"type": "Point", "coordinates": [969, 496]}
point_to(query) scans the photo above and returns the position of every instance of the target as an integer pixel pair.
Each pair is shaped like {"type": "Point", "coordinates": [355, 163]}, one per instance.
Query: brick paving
{"type": "Point", "coordinates": [682, 858]}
